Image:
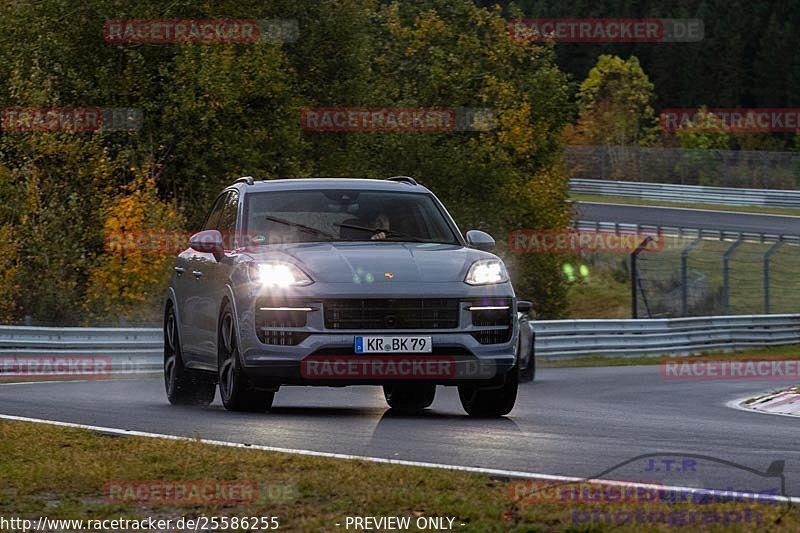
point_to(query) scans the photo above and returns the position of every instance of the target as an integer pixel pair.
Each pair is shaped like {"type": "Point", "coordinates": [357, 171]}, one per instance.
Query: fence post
{"type": "Point", "coordinates": [685, 276]}
{"type": "Point", "coordinates": [726, 286]}
{"type": "Point", "coordinates": [635, 276]}
{"type": "Point", "coordinates": [767, 257]}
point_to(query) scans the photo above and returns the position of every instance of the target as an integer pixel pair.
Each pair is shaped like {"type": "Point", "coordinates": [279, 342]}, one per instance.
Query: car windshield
{"type": "Point", "coordinates": [344, 215]}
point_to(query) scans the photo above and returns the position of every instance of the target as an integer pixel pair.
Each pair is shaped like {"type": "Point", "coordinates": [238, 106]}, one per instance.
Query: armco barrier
{"type": "Point", "coordinates": [140, 350]}
{"type": "Point", "coordinates": [668, 336]}
{"type": "Point", "coordinates": [129, 350]}
{"type": "Point", "coordinates": [687, 193]}
{"type": "Point", "coordinates": [684, 232]}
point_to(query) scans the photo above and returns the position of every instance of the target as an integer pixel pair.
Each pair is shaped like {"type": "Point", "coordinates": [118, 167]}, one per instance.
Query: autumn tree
{"type": "Point", "coordinates": [615, 105]}
{"type": "Point", "coordinates": [140, 233]}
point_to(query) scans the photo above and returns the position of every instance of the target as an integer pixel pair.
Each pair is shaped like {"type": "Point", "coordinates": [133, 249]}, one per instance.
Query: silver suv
{"type": "Point", "coordinates": [341, 282]}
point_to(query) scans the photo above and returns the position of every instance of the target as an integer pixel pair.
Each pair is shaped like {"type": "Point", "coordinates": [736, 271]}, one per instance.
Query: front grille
{"type": "Point", "coordinates": [281, 337]}
{"type": "Point", "coordinates": [484, 313]}
{"type": "Point", "coordinates": [483, 318]}
{"type": "Point", "coordinates": [271, 321]}
{"type": "Point", "coordinates": [411, 313]}
{"type": "Point", "coordinates": [492, 336]}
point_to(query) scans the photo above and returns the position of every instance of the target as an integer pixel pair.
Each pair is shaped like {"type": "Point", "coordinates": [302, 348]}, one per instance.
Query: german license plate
{"type": "Point", "coordinates": [393, 344]}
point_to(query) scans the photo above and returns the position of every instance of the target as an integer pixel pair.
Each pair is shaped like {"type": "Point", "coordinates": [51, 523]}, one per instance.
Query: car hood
{"type": "Point", "coordinates": [375, 262]}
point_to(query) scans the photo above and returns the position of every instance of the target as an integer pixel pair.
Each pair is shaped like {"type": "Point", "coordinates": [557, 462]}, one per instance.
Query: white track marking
{"type": "Point", "coordinates": [737, 404]}
{"type": "Point", "coordinates": [51, 381]}
{"type": "Point", "coordinates": [112, 378]}
{"type": "Point", "coordinates": [471, 469]}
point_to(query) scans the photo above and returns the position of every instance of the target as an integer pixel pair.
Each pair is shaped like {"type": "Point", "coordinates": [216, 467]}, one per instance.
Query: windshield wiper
{"type": "Point", "coordinates": [303, 227]}
{"type": "Point", "coordinates": [388, 232]}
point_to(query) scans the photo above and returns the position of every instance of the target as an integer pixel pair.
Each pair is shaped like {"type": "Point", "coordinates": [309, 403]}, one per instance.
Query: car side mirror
{"type": "Point", "coordinates": [524, 306]}
{"type": "Point", "coordinates": [208, 242]}
{"type": "Point", "coordinates": [480, 240]}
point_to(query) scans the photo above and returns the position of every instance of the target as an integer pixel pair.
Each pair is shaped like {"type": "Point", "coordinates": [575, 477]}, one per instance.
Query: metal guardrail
{"type": "Point", "coordinates": [125, 350]}
{"type": "Point", "coordinates": [685, 233]}
{"type": "Point", "coordinates": [669, 336]}
{"type": "Point", "coordinates": [140, 350]}
{"type": "Point", "coordinates": [687, 193]}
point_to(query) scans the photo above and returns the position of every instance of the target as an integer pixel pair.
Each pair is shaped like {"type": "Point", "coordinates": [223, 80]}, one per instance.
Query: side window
{"type": "Point", "coordinates": [212, 222]}
{"type": "Point", "coordinates": [227, 220]}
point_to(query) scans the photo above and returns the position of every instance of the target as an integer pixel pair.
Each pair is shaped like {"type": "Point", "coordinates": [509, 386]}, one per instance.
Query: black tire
{"type": "Point", "coordinates": [405, 397]}
{"type": "Point", "coordinates": [235, 389]}
{"type": "Point", "coordinates": [528, 373]}
{"type": "Point", "coordinates": [485, 402]}
{"type": "Point", "coordinates": [183, 386]}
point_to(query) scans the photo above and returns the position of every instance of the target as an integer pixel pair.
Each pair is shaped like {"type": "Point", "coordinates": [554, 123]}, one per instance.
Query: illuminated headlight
{"type": "Point", "coordinates": [279, 275]}
{"type": "Point", "coordinates": [486, 272]}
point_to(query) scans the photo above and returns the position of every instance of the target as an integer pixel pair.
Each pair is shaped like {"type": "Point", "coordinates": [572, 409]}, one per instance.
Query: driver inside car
{"type": "Point", "coordinates": [381, 222]}
{"type": "Point", "coordinates": [366, 226]}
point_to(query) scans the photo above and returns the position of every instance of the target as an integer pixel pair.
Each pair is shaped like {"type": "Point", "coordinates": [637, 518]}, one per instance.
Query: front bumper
{"type": "Point", "coordinates": [324, 356]}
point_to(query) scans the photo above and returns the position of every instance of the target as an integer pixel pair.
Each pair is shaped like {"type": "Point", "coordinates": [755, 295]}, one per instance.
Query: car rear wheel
{"type": "Point", "coordinates": [409, 397]}
{"type": "Point", "coordinates": [183, 386]}
{"type": "Point", "coordinates": [235, 388]}
{"type": "Point", "coordinates": [491, 402]}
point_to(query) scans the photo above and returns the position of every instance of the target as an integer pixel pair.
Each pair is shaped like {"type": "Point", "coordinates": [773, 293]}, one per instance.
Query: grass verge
{"type": "Point", "coordinates": [61, 473]}
{"type": "Point", "coordinates": [602, 296]}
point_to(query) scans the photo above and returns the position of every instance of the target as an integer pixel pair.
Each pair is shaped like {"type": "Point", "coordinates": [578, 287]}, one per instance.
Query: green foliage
{"type": "Point", "coordinates": [129, 282]}
{"type": "Point", "coordinates": [709, 133]}
{"type": "Point", "coordinates": [213, 112]}
{"type": "Point", "coordinates": [746, 57]}
{"type": "Point", "coordinates": [615, 104]}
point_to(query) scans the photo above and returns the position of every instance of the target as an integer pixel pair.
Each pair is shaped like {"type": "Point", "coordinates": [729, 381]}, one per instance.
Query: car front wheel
{"type": "Point", "coordinates": [528, 369]}
{"type": "Point", "coordinates": [491, 402]}
{"type": "Point", "coordinates": [183, 386]}
{"type": "Point", "coordinates": [235, 389]}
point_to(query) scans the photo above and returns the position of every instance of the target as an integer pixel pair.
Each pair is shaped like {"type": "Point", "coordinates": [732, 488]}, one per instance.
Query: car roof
{"type": "Point", "coordinates": [361, 184]}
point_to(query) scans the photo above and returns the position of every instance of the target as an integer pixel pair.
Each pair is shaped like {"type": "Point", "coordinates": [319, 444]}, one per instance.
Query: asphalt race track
{"type": "Point", "coordinates": [571, 421]}
{"type": "Point", "coordinates": [688, 218]}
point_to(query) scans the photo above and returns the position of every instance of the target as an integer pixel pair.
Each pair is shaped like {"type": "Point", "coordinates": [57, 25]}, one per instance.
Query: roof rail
{"type": "Point", "coordinates": [245, 179]}
{"type": "Point", "coordinates": [403, 179]}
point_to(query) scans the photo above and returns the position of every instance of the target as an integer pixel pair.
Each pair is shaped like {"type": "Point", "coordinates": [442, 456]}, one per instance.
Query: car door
{"type": "Point", "coordinates": [194, 292]}
{"type": "Point", "coordinates": [213, 279]}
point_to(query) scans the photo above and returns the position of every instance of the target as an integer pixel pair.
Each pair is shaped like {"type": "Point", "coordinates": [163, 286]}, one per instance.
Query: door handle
{"type": "Point", "coordinates": [179, 270]}
{"type": "Point", "coordinates": [197, 274]}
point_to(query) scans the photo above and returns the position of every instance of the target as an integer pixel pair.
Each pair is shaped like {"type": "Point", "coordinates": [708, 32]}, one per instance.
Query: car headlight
{"type": "Point", "coordinates": [486, 272]}
{"type": "Point", "coordinates": [279, 274]}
